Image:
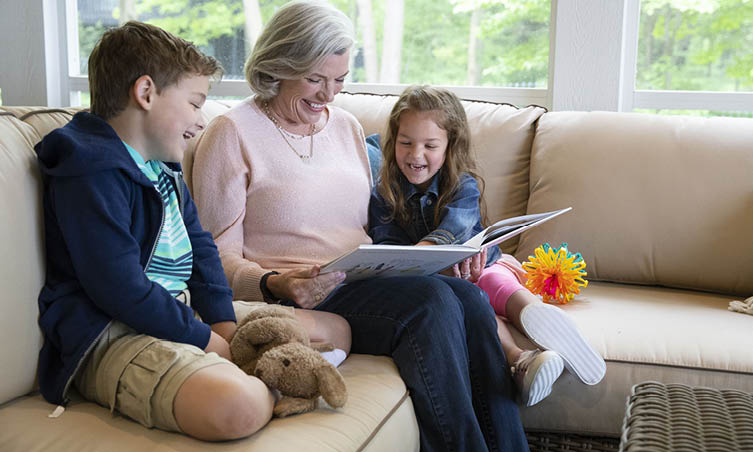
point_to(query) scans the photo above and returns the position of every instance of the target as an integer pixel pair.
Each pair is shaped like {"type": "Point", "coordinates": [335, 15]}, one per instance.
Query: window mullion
{"type": "Point", "coordinates": [629, 55]}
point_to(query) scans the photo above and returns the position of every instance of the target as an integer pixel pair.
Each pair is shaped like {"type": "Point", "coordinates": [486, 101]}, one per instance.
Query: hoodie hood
{"type": "Point", "coordinates": [77, 150]}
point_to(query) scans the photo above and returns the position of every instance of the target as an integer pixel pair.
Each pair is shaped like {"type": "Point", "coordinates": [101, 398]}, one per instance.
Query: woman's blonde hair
{"type": "Point", "coordinates": [450, 116]}
{"type": "Point", "coordinates": [296, 40]}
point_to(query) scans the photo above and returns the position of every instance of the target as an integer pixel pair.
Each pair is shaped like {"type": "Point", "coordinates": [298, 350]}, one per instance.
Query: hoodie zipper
{"type": "Point", "coordinates": [161, 226]}
{"type": "Point", "coordinates": [81, 361]}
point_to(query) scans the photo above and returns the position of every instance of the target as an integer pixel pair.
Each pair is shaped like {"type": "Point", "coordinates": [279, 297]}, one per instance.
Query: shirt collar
{"type": "Point", "coordinates": [410, 190]}
{"type": "Point", "coordinates": [150, 168]}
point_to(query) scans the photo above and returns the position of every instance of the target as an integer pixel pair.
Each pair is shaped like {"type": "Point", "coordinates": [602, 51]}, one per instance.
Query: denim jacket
{"type": "Point", "coordinates": [460, 219]}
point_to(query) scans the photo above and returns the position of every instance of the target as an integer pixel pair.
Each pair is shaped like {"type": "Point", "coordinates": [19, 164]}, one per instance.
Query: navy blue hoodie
{"type": "Point", "coordinates": [102, 217]}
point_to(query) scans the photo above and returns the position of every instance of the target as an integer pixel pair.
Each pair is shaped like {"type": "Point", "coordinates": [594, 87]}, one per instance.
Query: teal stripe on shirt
{"type": "Point", "coordinates": [172, 261]}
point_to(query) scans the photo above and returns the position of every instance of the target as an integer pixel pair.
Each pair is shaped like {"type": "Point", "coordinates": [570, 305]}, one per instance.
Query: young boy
{"type": "Point", "coordinates": [128, 263]}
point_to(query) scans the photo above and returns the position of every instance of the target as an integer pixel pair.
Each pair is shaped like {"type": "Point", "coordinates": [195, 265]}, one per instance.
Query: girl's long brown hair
{"type": "Point", "coordinates": [450, 116]}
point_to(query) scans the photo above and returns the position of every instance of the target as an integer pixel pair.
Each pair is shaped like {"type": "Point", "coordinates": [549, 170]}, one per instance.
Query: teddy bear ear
{"type": "Point", "coordinates": [331, 385]}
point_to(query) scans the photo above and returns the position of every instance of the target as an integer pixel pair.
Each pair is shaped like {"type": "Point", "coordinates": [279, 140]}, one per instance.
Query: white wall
{"type": "Point", "coordinates": [31, 67]}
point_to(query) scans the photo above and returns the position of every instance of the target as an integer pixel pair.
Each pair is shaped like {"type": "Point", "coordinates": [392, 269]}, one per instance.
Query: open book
{"type": "Point", "coordinates": [372, 261]}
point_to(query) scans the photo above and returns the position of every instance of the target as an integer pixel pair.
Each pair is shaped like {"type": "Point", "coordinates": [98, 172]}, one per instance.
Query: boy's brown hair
{"type": "Point", "coordinates": [449, 114]}
{"type": "Point", "coordinates": [125, 53]}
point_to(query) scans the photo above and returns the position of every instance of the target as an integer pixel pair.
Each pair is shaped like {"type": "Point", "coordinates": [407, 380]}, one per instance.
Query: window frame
{"type": "Point", "coordinates": [239, 88]}
{"type": "Point", "coordinates": [567, 89]}
{"type": "Point", "coordinates": [668, 99]}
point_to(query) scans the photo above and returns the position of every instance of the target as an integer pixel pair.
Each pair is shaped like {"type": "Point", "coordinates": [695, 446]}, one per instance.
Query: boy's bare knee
{"type": "Point", "coordinates": [247, 408]}
{"type": "Point", "coordinates": [223, 406]}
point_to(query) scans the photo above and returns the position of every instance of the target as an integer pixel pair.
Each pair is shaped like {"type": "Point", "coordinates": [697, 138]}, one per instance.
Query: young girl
{"type": "Point", "coordinates": [428, 194]}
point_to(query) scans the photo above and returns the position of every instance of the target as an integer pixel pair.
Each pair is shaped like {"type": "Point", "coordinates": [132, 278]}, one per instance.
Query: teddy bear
{"type": "Point", "coordinates": [261, 330]}
{"type": "Point", "coordinates": [301, 375]}
{"type": "Point", "coordinates": [271, 344]}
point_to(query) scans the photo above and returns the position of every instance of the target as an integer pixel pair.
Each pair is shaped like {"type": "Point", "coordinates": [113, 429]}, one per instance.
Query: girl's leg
{"type": "Point", "coordinates": [534, 372]}
{"type": "Point", "coordinates": [500, 283]}
{"type": "Point", "coordinates": [511, 349]}
{"type": "Point", "coordinates": [551, 328]}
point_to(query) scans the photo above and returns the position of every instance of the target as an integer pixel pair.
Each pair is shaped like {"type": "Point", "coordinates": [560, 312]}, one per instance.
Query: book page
{"type": "Point", "coordinates": [510, 227]}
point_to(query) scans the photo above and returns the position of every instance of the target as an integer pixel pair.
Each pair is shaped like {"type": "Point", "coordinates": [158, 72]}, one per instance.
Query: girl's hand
{"type": "Point", "coordinates": [306, 286]}
{"type": "Point", "coordinates": [476, 266]}
{"type": "Point", "coordinates": [469, 269]}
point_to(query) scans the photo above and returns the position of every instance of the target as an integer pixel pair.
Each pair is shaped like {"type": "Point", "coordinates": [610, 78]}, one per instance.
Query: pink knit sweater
{"type": "Point", "coordinates": [269, 210]}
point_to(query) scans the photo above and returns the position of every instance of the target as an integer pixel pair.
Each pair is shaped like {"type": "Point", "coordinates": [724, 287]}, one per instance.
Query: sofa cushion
{"type": "Point", "coordinates": [501, 137]}
{"type": "Point", "coordinates": [645, 333]}
{"type": "Point", "coordinates": [210, 109]}
{"type": "Point", "coordinates": [21, 266]}
{"type": "Point", "coordinates": [374, 149]}
{"type": "Point", "coordinates": [656, 200]}
{"type": "Point", "coordinates": [377, 416]}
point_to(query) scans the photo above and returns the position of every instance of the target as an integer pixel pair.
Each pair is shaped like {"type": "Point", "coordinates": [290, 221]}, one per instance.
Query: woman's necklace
{"type": "Point", "coordinates": [304, 158]}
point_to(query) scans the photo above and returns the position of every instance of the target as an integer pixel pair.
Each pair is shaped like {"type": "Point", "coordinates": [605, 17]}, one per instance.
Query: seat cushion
{"type": "Point", "coordinates": [645, 333]}
{"type": "Point", "coordinates": [377, 417]}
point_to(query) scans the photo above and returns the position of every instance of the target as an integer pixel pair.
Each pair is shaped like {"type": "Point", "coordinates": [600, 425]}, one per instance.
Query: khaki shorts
{"type": "Point", "coordinates": [140, 375]}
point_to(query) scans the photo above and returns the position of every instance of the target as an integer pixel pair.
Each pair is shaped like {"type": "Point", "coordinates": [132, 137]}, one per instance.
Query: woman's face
{"type": "Point", "coordinates": [303, 100]}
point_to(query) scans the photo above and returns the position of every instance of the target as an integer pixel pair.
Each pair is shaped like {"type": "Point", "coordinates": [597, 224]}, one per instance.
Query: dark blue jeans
{"type": "Point", "coordinates": [442, 335]}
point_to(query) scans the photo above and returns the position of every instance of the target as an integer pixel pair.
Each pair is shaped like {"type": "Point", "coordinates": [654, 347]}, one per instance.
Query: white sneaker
{"type": "Point", "coordinates": [535, 372]}
{"type": "Point", "coordinates": [550, 328]}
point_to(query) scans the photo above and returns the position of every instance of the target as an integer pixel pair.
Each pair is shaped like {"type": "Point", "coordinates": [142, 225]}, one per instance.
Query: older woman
{"type": "Point", "coordinates": [282, 181]}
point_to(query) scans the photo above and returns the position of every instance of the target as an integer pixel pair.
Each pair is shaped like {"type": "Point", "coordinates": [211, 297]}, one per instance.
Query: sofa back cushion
{"type": "Point", "coordinates": [501, 136]}
{"type": "Point", "coordinates": [210, 109]}
{"type": "Point", "coordinates": [22, 264]}
{"type": "Point", "coordinates": [656, 200]}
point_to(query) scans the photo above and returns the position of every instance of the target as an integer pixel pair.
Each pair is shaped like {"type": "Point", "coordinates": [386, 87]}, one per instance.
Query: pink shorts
{"type": "Point", "coordinates": [500, 280]}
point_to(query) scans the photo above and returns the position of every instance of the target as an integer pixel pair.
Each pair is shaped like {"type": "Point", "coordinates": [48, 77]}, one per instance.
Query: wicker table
{"type": "Point", "coordinates": [676, 417]}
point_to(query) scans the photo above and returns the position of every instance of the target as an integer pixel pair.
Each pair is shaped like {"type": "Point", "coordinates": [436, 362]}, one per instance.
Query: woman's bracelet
{"type": "Point", "coordinates": [269, 297]}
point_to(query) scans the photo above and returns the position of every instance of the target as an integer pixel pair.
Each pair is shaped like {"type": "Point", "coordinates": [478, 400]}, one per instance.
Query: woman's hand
{"type": "Point", "coordinates": [306, 286]}
{"type": "Point", "coordinates": [469, 269]}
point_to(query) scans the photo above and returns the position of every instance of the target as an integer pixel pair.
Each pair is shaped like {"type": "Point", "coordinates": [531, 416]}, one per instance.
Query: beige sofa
{"type": "Point", "coordinates": [662, 213]}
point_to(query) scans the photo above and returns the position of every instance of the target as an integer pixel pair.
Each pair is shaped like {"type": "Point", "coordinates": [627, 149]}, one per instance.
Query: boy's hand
{"type": "Point", "coordinates": [218, 345]}
{"type": "Point", "coordinates": [306, 286]}
{"type": "Point", "coordinates": [224, 329]}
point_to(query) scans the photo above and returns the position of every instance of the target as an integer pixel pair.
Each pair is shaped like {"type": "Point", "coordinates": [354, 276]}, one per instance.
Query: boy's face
{"type": "Point", "coordinates": [420, 147]}
{"type": "Point", "coordinates": [175, 118]}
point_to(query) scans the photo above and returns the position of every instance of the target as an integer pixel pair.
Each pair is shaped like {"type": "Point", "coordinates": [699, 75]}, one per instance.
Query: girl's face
{"type": "Point", "coordinates": [420, 147]}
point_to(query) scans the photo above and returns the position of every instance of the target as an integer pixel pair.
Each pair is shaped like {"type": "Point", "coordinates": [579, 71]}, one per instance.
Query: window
{"type": "Point", "coordinates": [695, 45]}
{"type": "Point", "coordinates": [695, 55]}
{"type": "Point", "coordinates": [499, 46]}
